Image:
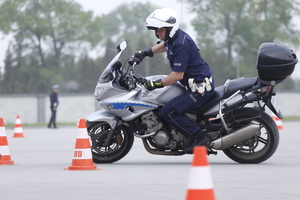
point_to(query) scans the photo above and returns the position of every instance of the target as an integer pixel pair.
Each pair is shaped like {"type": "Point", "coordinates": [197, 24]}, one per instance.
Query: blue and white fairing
{"type": "Point", "coordinates": [130, 104]}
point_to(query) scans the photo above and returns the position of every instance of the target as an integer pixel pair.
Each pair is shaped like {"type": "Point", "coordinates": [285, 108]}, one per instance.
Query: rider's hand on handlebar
{"type": "Point", "coordinates": [151, 85]}
{"type": "Point", "coordinates": [142, 54]}
{"type": "Point", "coordinates": [133, 60]}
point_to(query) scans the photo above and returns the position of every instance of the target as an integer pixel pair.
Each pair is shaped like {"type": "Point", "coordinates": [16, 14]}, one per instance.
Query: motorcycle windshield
{"type": "Point", "coordinates": [109, 73]}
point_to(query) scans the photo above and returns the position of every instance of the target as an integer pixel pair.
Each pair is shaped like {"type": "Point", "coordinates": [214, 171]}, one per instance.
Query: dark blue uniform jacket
{"type": "Point", "coordinates": [184, 56]}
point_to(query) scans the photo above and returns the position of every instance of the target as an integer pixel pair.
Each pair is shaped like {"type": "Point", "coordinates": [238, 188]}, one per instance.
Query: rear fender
{"type": "Point", "coordinates": [272, 105]}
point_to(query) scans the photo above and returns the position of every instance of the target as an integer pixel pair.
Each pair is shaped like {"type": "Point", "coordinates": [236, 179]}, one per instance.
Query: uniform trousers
{"type": "Point", "coordinates": [174, 111]}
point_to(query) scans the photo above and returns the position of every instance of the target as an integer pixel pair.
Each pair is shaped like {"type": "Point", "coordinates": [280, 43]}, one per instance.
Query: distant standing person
{"type": "Point", "coordinates": [53, 106]}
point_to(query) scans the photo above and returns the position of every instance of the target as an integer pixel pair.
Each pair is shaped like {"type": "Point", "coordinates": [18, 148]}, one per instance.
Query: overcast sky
{"type": "Point", "coordinates": [106, 6]}
{"type": "Point", "coordinates": [100, 7]}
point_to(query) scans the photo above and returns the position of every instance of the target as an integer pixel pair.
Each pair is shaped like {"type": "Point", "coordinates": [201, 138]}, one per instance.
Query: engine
{"type": "Point", "coordinates": [159, 136]}
{"type": "Point", "coordinates": [151, 122]}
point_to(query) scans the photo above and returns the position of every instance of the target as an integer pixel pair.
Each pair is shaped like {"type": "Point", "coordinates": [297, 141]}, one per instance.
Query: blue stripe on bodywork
{"type": "Point", "coordinates": [122, 106]}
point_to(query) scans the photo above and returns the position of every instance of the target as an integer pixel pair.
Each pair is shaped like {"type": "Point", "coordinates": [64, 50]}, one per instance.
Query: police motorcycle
{"type": "Point", "coordinates": [245, 133]}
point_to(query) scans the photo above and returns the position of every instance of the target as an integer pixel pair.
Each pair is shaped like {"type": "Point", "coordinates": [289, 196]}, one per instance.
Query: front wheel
{"type": "Point", "coordinates": [119, 146]}
{"type": "Point", "coordinates": [256, 149]}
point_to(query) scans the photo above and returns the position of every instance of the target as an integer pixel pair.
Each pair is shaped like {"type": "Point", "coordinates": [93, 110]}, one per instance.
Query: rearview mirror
{"type": "Point", "coordinates": [122, 46]}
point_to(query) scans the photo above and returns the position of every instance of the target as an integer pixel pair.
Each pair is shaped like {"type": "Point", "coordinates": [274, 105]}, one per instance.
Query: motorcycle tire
{"type": "Point", "coordinates": [119, 146]}
{"type": "Point", "coordinates": [256, 149]}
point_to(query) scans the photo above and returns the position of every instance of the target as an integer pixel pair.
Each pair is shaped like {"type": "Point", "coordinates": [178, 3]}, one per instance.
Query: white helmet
{"type": "Point", "coordinates": [164, 17]}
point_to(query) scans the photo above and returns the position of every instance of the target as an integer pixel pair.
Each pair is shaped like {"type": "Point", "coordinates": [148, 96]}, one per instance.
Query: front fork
{"type": "Point", "coordinates": [111, 132]}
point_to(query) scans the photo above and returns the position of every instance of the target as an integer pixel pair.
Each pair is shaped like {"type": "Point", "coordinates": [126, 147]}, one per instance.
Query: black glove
{"type": "Point", "coordinates": [142, 54]}
{"type": "Point", "coordinates": [151, 85]}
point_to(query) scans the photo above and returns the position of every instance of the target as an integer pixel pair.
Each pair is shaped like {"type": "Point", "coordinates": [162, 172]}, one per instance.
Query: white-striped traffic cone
{"type": "Point", "coordinates": [200, 185]}
{"type": "Point", "coordinates": [5, 158]}
{"type": "Point", "coordinates": [18, 130]}
{"type": "Point", "coordinates": [82, 158]}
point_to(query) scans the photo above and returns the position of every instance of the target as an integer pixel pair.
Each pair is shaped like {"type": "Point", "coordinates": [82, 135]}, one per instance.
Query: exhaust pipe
{"type": "Point", "coordinates": [235, 137]}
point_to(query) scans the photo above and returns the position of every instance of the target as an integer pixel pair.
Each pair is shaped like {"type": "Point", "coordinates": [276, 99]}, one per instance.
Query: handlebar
{"type": "Point", "coordinates": [132, 61]}
{"type": "Point", "coordinates": [127, 78]}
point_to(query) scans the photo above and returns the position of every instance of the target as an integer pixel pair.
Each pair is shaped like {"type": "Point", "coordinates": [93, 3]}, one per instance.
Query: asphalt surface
{"type": "Point", "coordinates": [42, 155]}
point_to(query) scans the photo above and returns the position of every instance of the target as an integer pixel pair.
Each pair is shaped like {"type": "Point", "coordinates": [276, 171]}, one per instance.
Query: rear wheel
{"type": "Point", "coordinates": [119, 146]}
{"type": "Point", "coordinates": [256, 149]}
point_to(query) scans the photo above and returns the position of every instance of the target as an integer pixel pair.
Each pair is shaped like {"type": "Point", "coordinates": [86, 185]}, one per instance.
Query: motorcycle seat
{"type": "Point", "coordinates": [225, 91]}
{"type": "Point", "coordinates": [231, 86]}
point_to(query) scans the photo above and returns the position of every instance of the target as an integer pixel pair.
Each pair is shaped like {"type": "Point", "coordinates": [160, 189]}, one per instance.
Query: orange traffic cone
{"type": "Point", "coordinates": [4, 150]}
{"type": "Point", "coordinates": [277, 121]}
{"type": "Point", "coordinates": [78, 121]}
{"type": "Point", "coordinates": [82, 159]}
{"type": "Point", "coordinates": [18, 130]}
{"type": "Point", "coordinates": [200, 185]}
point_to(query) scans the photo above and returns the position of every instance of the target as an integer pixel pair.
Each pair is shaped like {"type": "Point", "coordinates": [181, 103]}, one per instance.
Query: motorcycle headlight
{"type": "Point", "coordinates": [97, 92]}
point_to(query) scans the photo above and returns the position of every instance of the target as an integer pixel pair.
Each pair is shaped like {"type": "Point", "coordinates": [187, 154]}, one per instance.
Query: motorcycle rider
{"type": "Point", "coordinates": [188, 67]}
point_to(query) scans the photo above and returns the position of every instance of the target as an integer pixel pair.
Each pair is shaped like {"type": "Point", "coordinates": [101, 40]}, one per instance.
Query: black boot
{"type": "Point", "coordinates": [201, 140]}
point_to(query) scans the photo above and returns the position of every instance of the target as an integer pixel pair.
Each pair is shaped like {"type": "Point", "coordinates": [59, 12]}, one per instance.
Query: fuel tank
{"type": "Point", "coordinates": [161, 95]}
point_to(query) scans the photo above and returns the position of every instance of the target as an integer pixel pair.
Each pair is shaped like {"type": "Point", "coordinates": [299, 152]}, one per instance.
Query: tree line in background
{"type": "Point", "coordinates": [57, 42]}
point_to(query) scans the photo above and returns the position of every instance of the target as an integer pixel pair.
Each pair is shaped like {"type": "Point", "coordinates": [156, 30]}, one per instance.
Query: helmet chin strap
{"type": "Point", "coordinates": [173, 31]}
{"type": "Point", "coordinates": [170, 33]}
{"type": "Point", "coordinates": [167, 36]}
